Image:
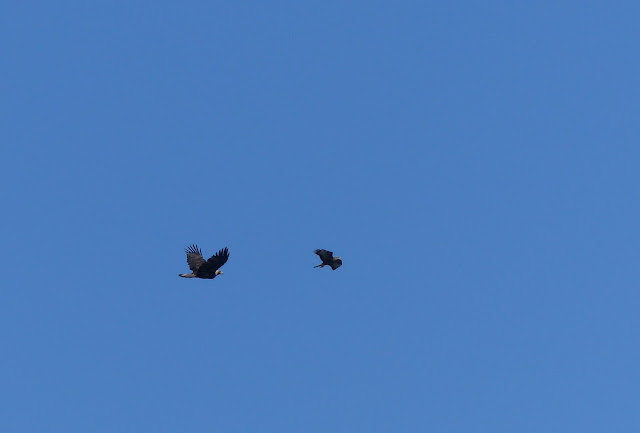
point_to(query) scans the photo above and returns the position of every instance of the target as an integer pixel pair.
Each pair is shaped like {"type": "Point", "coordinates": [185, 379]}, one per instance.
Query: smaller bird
{"type": "Point", "coordinates": [328, 259]}
{"type": "Point", "coordinates": [201, 268]}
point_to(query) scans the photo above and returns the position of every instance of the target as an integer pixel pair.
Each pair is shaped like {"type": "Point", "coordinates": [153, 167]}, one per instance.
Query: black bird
{"type": "Point", "coordinates": [201, 268]}
{"type": "Point", "coordinates": [328, 259]}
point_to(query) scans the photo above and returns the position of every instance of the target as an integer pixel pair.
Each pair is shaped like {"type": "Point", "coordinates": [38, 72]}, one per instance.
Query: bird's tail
{"type": "Point", "coordinates": [191, 275]}
{"type": "Point", "coordinates": [319, 266]}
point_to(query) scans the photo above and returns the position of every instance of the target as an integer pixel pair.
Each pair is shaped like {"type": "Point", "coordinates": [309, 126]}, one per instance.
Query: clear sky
{"type": "Point", "coordinates": [474, 163]}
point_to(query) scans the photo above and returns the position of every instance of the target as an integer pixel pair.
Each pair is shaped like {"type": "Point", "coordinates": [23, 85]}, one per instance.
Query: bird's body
{"type": "Point", "coordinates": [328, 259]}
{"type": "Point", "coordinates": [201, 268]}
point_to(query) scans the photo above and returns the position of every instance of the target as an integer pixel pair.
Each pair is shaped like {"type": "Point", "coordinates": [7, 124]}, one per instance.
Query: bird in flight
{"type": "Point", "coordinates": [328, 259]}
{"type": "Point", "coordinates": [201, 268]}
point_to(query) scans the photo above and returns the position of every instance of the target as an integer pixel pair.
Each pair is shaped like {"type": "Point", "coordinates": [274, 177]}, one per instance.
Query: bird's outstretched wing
{"type": "Point", "coordinates": [216, 261]}
{"type": "Point", "coordinates": [194, 258]}
{"type": "Point", "coordinates": [325, 256]}
{"type": "Point", "coordinates": [335, 263]}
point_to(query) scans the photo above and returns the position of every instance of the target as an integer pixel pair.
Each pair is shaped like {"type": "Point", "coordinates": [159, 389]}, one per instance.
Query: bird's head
{"type": "Point", "coordinates": [219, 272]}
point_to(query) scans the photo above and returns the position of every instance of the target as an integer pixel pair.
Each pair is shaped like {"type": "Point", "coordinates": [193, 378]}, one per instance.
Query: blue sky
{"type": "Point", "coordinates": [474, 163]}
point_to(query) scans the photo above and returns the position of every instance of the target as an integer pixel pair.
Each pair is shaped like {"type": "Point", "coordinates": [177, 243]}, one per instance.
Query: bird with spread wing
{"type": "Point", "coordinates": [328, 259]}
{"type": "Point", "coordinates": [201, 268]}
